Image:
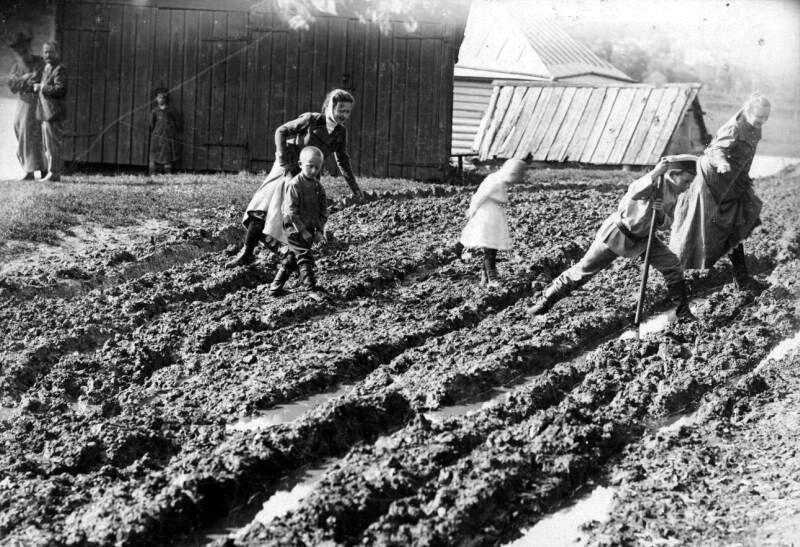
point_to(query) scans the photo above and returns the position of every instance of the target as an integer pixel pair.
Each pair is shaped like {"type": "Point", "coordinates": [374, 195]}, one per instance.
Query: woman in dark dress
{"type": "Point", "coordinates": [721, 208]}
{"type": "Point", "coordinates": [326, 131]}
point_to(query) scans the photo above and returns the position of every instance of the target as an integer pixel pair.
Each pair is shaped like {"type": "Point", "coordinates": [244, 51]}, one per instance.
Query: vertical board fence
{"type": "Point", "coordinates": [236, 74]}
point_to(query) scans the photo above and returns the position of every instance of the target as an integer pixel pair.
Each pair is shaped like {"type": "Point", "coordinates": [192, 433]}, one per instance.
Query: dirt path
{"type": "Point", "coordinates": [123, 404]}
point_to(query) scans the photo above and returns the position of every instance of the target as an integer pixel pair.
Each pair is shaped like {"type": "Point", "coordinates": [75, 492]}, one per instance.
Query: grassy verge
{"type": "Point", "coordinates": [37, 212]}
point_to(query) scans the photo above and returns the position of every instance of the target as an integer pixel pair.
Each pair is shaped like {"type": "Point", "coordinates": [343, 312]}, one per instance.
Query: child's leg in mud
{"type": "Point", "coordinates": [666, 262]}
{"type": "Point", "coordinates": [285, 270]}
{"type": "Point", "coordinates": [255, 233]}
{"type": "Point", "coordinates": [305, 261]}
{"type": "Point", "coordinates": [597, 258]}
{"type": "Point", "coordinates": [490, 267]}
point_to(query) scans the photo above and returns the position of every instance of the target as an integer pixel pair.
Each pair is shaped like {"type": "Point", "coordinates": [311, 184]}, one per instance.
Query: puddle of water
{"type": "Point", "coordinates": [781, 350]}
{"type": "Point", "coordinates": [490, 398]}
{"type": "Point", "coordinates": [7, 412]}
{"type": "Point", "coordinates": [660, 321]}
{"type": "Point", "coordinates": [83, 408]}
{"type": "Point", "coordinates": [674, 422]}
{"type": "Point", "coordinates": [288, 495]}
{"type": "Point", "coordinates": [286, 413]}
{"type": "Point", "coordinates": [470, 406]}
{"type": "Point", "coordinates": [563, 528]}
{"type": "Point", "coordinates": [289, 492]}
{"type": "Point", "coordinates": [764, 166]}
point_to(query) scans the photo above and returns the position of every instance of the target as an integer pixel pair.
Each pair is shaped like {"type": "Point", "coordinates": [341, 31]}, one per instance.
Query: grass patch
{"type": "Point", "coordinates": [39, 212]}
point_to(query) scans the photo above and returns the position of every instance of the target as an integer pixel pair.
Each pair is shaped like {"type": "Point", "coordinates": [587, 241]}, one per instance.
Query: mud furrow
{"type": "Point", "coordinates": [147, 462]}
{"type": "Point", "coordinates": [347, 502]}
{"type": "Point", "coordinates": [530, 492]}
{"type": "Point", "coordinates": [384, 383]}
{"type": "Point", "coordinates": [369, 478]}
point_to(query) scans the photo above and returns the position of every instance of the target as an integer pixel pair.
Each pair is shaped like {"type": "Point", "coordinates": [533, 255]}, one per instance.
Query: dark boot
{"type": "Point", "coordinates": [490, 268]}
{"type": "Point", "coordinates": [741, 276]}
{"type": "Point", "coordinates": [28, 176]}
{"type": "Point", "coordinates": [458, 249]}
{"type": "Point", "coordinates": [308, 278]}
{"type": "Point", "coordinates": [255, 229]}
{"type": "Point", "coordinates": [281, 276]}
{"type": "Point", "coordinates": [679, 294]}
{"type": "Point", "coordinates": [557, 290]}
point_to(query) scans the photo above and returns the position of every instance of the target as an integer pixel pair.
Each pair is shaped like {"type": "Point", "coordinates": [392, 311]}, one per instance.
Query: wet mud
{"type": "Point", "coordinates": [120, 404]}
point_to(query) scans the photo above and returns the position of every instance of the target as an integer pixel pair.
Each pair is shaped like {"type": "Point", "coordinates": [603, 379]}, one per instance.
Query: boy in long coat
{"type": "Point", "coordinates": [625, 232]}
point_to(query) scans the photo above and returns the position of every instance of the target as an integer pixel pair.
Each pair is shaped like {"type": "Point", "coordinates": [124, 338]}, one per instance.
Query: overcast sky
{"type": "Point", "coordinates": [765, 33]}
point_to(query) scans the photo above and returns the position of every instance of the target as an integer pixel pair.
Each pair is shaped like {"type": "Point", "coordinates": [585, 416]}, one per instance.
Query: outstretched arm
{"type": "Point", "coordinates": [719, 152]}
{"type": "Point", "coordinates": [343, 162]}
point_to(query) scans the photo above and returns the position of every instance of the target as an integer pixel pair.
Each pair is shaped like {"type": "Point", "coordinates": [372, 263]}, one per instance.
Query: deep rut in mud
{"type": "Point", "coordinates": [120, 426]}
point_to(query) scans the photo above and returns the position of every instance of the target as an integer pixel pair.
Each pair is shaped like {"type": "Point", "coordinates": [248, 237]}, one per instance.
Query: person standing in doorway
{"type": "Point", "coordinates": [26, 72]}
{"type": "Point", "coordinates": [51, 110]}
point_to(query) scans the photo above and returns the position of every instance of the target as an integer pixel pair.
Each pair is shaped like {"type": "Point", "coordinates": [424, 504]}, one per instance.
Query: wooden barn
{"type": "Point", "coordinates": [236, 71]}
{"type": "Point", "coordinates": [511, 40]}
{"type": "Point", "coordinates": [597, 124]}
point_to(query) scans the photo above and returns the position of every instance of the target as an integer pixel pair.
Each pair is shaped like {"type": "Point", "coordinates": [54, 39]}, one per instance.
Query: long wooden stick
{"type": "Point", "coordinates": [656, 191]}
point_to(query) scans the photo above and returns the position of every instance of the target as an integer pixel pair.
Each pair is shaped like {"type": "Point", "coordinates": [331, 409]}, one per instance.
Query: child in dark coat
{"type": "Point", "coordinates": [305, 212]}
{"type": "Point", "coordinates": [165, 127]}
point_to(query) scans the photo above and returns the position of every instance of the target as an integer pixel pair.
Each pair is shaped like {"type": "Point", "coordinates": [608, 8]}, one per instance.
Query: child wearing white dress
{"type": "Point", "coordinates": [487, 227]}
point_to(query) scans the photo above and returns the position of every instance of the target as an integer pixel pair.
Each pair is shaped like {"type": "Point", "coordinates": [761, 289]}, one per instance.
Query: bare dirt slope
{"type": "Point", "coordinates": [120, 402]}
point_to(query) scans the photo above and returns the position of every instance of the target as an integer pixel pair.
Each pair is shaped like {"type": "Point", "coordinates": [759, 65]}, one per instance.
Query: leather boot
{"type": "Point", "coordinates": [490, 268]}
{"type": "Point", "coordinates": [741, 276]}
{"type": "Point", "coordinates": [255, 229]}
{"type": "Point", "coordinates": [308, 278]}
{"type": "Point", "coordinates": [679, 293]}
{"type": "Point", "coordinates": [281, 276]}
{"type": "Point", "coordinates": [554, 292]}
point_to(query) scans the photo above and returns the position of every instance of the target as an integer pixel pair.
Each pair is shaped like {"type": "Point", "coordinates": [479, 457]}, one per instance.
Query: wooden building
{"type": "Point", "coordinates": [597, 124]}
{"type": "Point", "coordinates": [512, 40]}
{"type": "Point", "coordinates": [235, 73]}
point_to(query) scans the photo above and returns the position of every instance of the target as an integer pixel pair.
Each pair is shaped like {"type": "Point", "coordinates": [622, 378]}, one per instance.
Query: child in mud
{"type": "Point", "coordinates": [305, 212]}
{"type": "Point", "coordinates": [625, 233]}
{"type": "Point", "coordinates": [487, 227]}
{"type": "Point", "coordinates": [165, 126]}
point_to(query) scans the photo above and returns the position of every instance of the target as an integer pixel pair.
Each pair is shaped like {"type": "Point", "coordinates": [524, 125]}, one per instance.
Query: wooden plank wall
{"type": "Point", "coordinates": [470, 99]}
{"type": "Point", "coordinates": [236, 75]}
{"type": "Point", "coordinates": [594, 124]}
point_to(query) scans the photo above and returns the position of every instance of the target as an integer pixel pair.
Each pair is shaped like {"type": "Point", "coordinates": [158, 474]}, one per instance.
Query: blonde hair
{"type": "Point", "coordinates": [310, 153]}
{"type": "Point", "coordinates": [335, 97]}
{"type": "Point", "coordinates": [757, 99]}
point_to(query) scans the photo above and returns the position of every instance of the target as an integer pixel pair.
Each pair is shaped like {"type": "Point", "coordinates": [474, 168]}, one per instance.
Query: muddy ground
{"type": "Point", "coordinates": [161, 398]}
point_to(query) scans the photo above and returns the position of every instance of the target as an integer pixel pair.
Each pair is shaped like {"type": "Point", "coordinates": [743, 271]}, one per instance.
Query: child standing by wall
{"type": "Point", "coordinates": [487, 227]}
{"type": "Point", "coordinates": [305, 212]}
{"type": "Point", "coordinates": [165, 128]}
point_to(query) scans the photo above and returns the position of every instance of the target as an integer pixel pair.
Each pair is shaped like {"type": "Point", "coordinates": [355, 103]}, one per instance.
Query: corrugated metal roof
{"type": "Point", "coordinates": [510, 39]}
{"type": "Point", "coordinates": [611, 124]}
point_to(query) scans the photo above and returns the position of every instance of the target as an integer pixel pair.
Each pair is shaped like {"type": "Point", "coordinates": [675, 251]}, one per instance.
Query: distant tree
{"type": "Point", "coordinates": [301, 13]}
